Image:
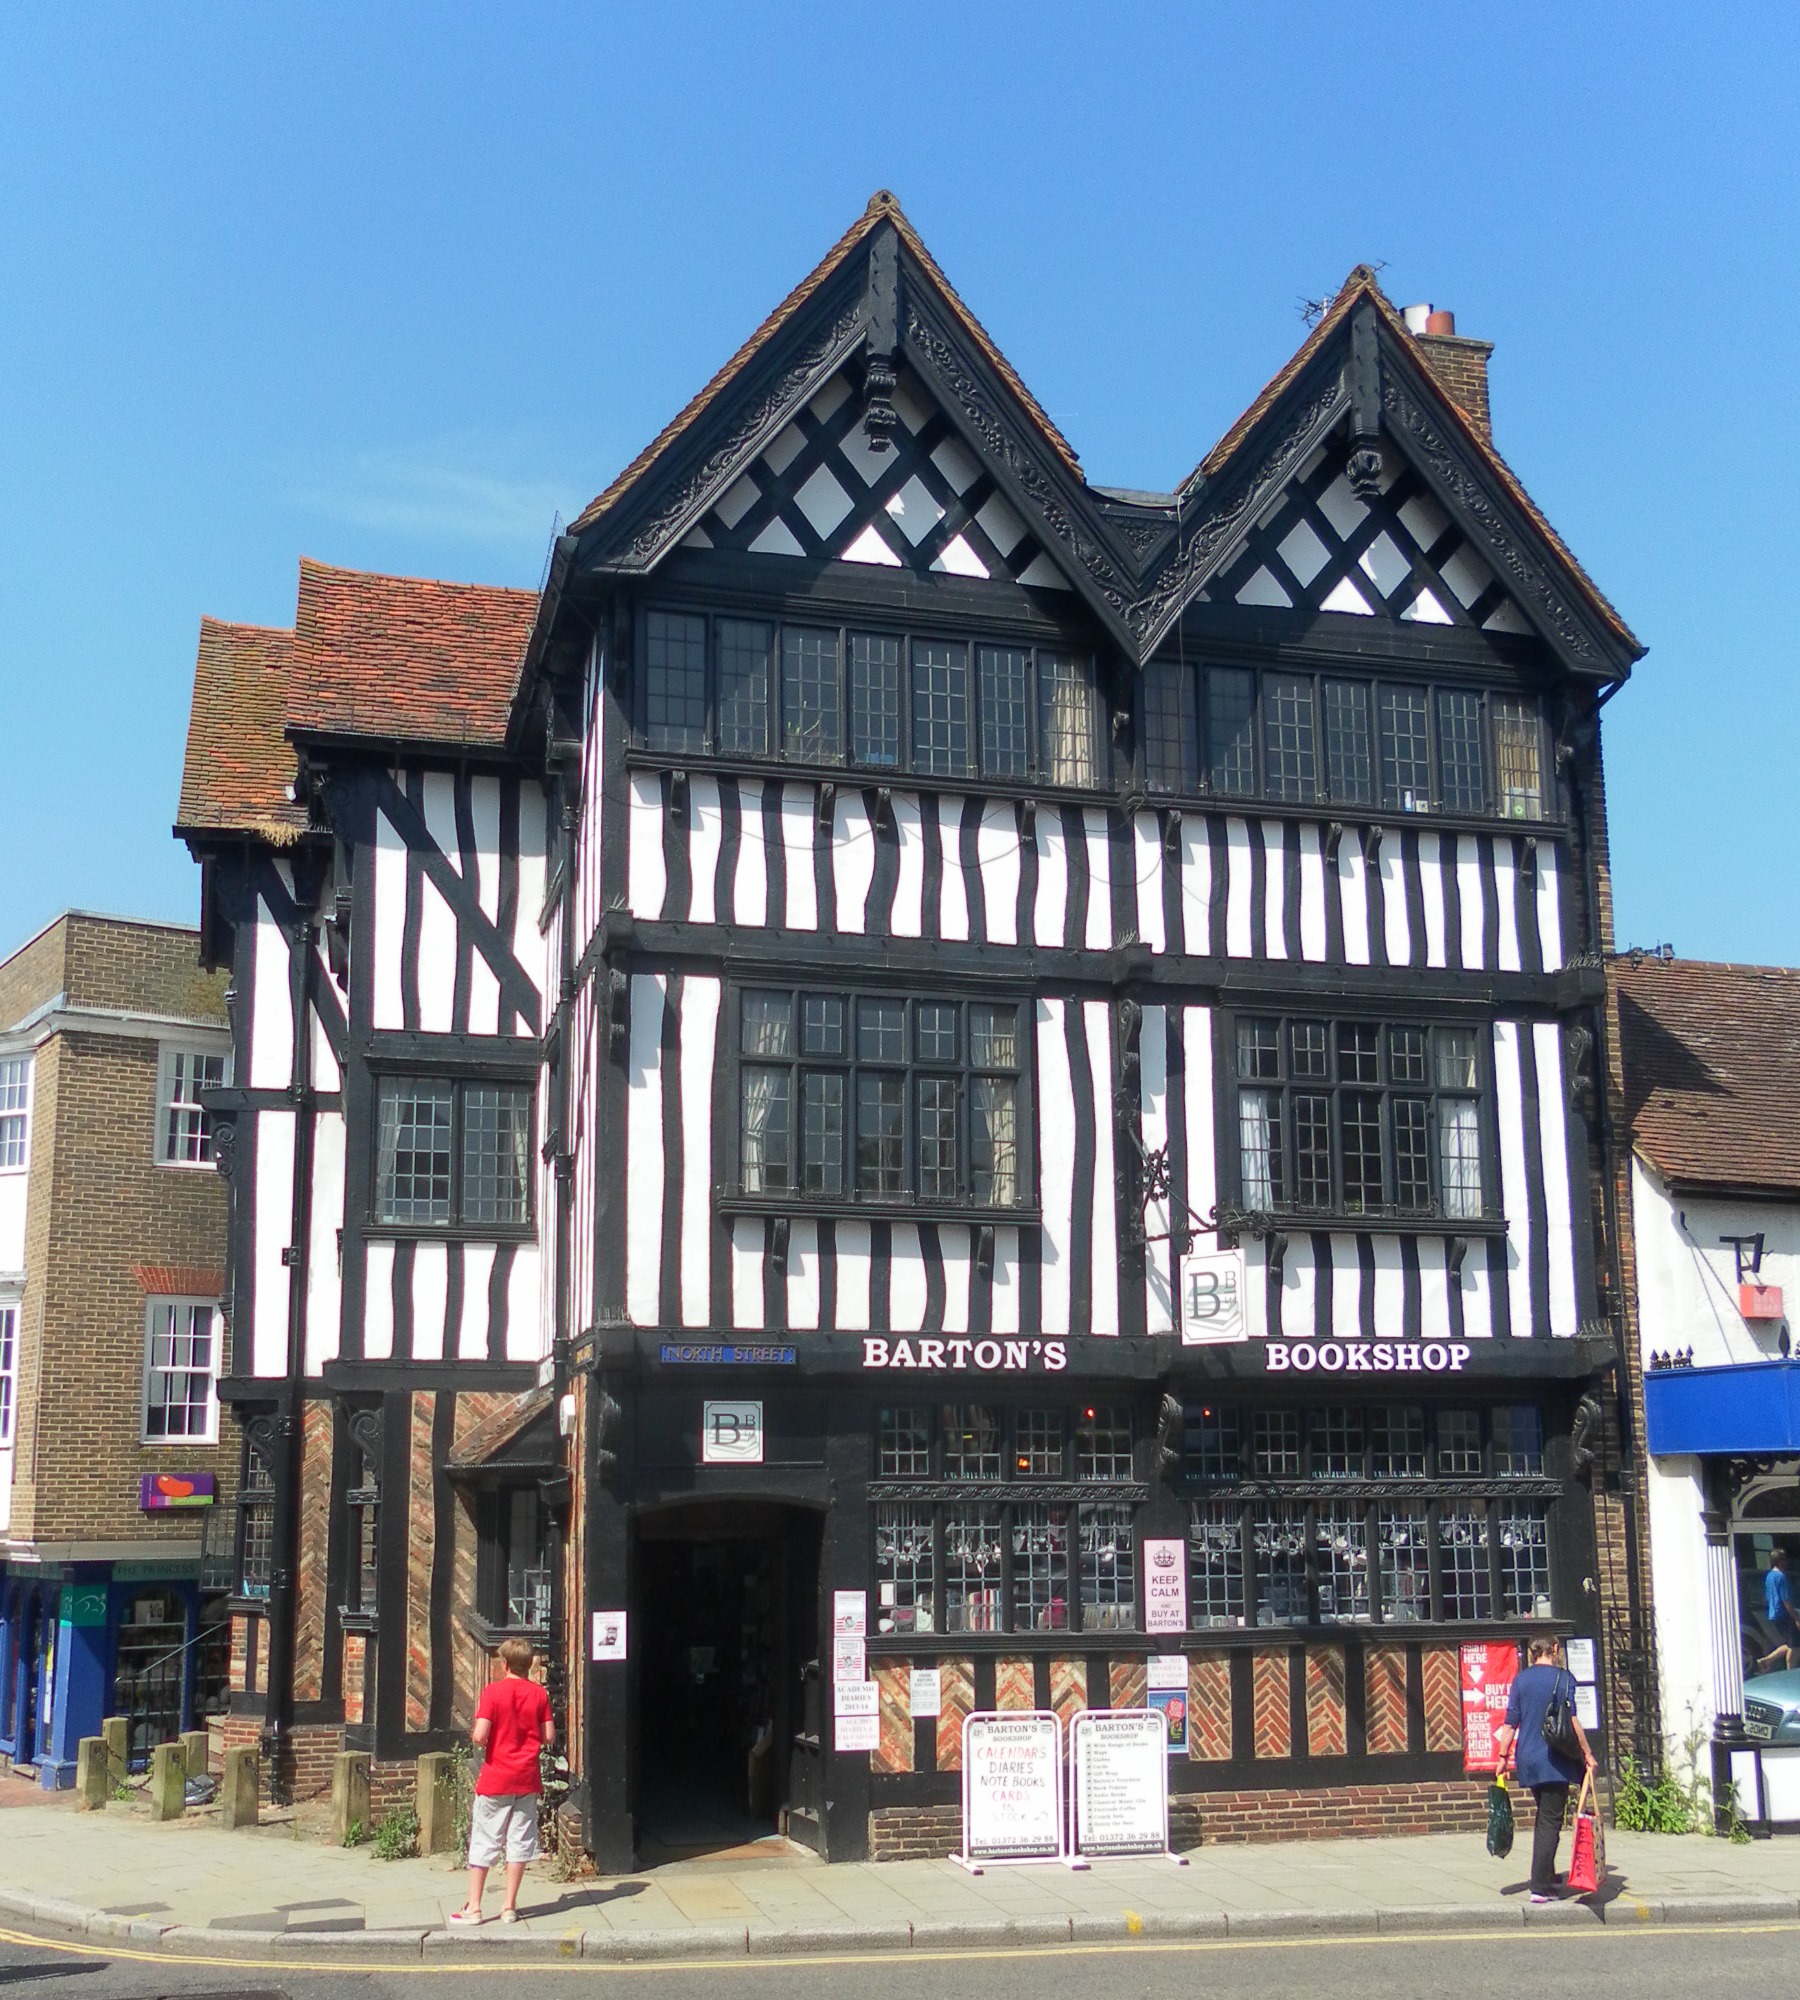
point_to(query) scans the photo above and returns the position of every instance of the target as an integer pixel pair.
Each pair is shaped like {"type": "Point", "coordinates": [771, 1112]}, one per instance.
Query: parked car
{"type": "Point", "coordinates": [1772, 1707]}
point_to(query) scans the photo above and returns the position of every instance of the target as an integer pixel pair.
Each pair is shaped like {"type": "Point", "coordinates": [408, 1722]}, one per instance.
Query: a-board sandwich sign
{"type": "Point", "coordinates": [1012, 1788]}
{"type": "Point", "coordinates": [1121, 1783]}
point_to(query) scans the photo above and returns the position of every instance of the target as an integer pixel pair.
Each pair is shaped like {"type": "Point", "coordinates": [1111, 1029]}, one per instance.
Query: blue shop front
{"type": "Point", "coordinates": [80, 1641]}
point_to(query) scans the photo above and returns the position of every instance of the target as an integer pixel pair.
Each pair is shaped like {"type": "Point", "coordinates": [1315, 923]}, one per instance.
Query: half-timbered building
{"type": "Point", "coordinates": [761, 1068]}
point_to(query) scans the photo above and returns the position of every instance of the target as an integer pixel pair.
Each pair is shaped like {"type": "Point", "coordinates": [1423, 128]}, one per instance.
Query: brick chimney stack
{"type": "Point", "coordinates": [1460, 364]}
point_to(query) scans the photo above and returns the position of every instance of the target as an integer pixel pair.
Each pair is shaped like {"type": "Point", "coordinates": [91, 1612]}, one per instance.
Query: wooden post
{"type": "Point", "coordinates": [435, 1803]}
{"type": "Point", "coordinates": [240, 1792]}
{"type": "Point", "coordinates": [168, 1782]}
{"type": "Point", "coordinates": [349, 1794]}
{"type": "Point", "coordinates": [93, 1787]}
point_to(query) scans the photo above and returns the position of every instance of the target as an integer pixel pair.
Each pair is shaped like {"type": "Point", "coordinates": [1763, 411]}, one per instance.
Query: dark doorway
{"type": "Point", "coordinates": [728, 1605]}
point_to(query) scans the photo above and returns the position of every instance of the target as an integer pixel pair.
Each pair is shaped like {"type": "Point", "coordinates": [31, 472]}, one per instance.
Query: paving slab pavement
{"type": "Point", "coordinates": [191, 1885]}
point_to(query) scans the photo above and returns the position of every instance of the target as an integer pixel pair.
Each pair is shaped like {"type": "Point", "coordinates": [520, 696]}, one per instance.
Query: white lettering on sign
{"type": "Point", "coordinates": [1366, 1357]}
{"type": "Point", "coordinates": [987, 1357]}
{"type": "Point", "coordinates": [1212, 1297]}
{"type": "Point", "coordinates": [856, 1698]}
{"type": "Point", "coordinates": [1165, 1586]}
{"type": "Point", "coordinates": [731, 1434]}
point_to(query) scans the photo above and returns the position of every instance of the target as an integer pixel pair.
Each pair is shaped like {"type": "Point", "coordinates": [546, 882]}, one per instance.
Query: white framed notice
{"type": "Point", "coordinates": [609, 1636]}
{"type": "Point", "coordinates": [1012, 1789]}
{"type": "Point", "coordinates": [927, 1693]}
{"type": "Point", "coordinates": [1580, 1655]}
{"type": "Point", "coordinates": [856, 1732]}
{"type": "Point", "coordinates": [850, 1612]}
{"type": "Point", "coordinates": [1166, 1670]}
{"type": "Point", "coordinates": [848, 1657]}
{"type": "Point", "coordinates": [1587, 1705]}
{"type": "Point", "coordinates": [1121, 1784]}
{"type": "Point", "coordinates": [731, 1433]}
{"type": "Point", "coordinates": [1165, 1586]}
{"type": "Point", "coordinates": [856, 1698]}
{"type": "Point", "coordinates": [1212, 1297]}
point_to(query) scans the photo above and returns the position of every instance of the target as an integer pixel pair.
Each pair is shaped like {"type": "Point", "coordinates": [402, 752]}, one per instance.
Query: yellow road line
{"type": "Point", "coordinates": [495, 1959]}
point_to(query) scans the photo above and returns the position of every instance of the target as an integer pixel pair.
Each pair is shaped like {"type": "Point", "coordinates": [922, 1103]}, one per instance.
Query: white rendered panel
{"type": "Point", "coordinates": [906, 1278]}
{"type": "Point", "coordinates": [1312, 895]}
{"type": "Point", "coordinates": [953, 897]}
{"type": "Point", "coordinates": [390, 924]}
{"type": "Point", "coordinates": [853, 1276]}
{"type": "Point", "coordinates": [1549, 906]}
{"type": "Point", "coordinates": [797, 857]}
{"type": "Point", "coordinates": [1353, 897]}
{"type": "Point", "coordinates": [1431, 887]}
{"type": "Point", "coordinates": [1274, 888]}
{"type": "Point", "coordinates": [1153, 1047]}
{"type": "Point", "coordinates": [1346, 1288]}
{"type": "Point", "coordinates": [323, 1065]}
{"type": "Point", "coordinates": [1559, 1224]}
{"type": "Point", "coordinates": [478, 1271]}
{"type": "Point", "coordinates": [484, 816]}
{"type": "Point", "coordinates": [909, 882]}
{"type": "Point", "coordinates": [1477, 1294]}
{"type": "Point", "coordinates": [1396, 934]}
{"type": "Point", "coordinates": [643, 1164]}
{"type": "Point", "coordinates": [1256, 1289]}
{"type": "Point", "coordinates": [1299, 1288]}
{"type": "Point", "coordinates": [324, 1287]}
{"type": "Point", "coordinates": [699, 1031]}
{"type": "Point", "coordinates": [852, 863]}
{"type": "Point", "coordinates": [748, 1234]}
{"type": "Point", "coordinates": [997, 849]}
{"type": "Point", "coordinates": [1099, 860]}
{"type": "Point", "coordinates": [430, 1294]}
{"type": "Point", "coordinates": [526, 1339]}
{"type": "Point", "coordinates": [1202, 1159]}
{"type": "Point", "coordinates": [437, 959]}
{"type": "Point", "coordinates": [271, 1009]}
{"type": "Point", "coordinates": [527, 940]}
{"type": "Point", "coordinates": [803, 1274]}
{"type": "Point", "coordinates": [706, 827]}
{"type": "Point", "coordinates": [1146, 855]}
{"type": "Point", "coordinates": [378, 1302]}
{"type": "Point", "coordinates": [1006, 1280]}
{"type": "Point", "coordinates": [1506, 898]}
{"type": "Point", "coordinates": [274, 1217]}
{"type": "Point", "coordinates": [647, 881]}
{"type": "Point", "coordinates": [1510, 1106]}
{"type": "Point", "coordinates": [1196, 886]}
{"type": "Point", "coordinates": [750, 884]}
{"type": "Point", "coordinates": [1097, 1021]}
{"type": "Point", "coordinates": [1390, 1286]}
{"type": "Point", "coordinates": [1237, 898]}
{"type": "Point", "coordinates": [956, 1243]}
{"type": "Point", "coordinates": [1434, 1291]}
{"type": "Point", "coordinates": [438, 809]}
{"type": "Point", "coordinates": [1050, 907]}
{"type": "Point", "coordinates": [1469, 897]}
{"type": "Point", "coordinates": [1056, 1159]}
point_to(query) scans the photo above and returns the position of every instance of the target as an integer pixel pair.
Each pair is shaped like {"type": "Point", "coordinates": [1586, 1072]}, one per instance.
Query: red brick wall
{"type": "Point", "coordinates": [1384, 1700]}
{"type": "Point", "coordinates": [1274, 1721]}
{"type": "Point", "coordinates": [1209, 1708]}
{"type": "Point", "coordinates": [1327, 1726]}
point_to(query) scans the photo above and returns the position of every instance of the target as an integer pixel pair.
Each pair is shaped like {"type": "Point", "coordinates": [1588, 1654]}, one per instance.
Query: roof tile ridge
{"type": "Point", "coordinates": [325, 569]}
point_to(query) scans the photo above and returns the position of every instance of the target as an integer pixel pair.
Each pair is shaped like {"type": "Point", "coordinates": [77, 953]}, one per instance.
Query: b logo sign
{"type": "Point", "coordinates": [1212, 1297]}
{"type": "Point", "coordinates": [731, 1434]}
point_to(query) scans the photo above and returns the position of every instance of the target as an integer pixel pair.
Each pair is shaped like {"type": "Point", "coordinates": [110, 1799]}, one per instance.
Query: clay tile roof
{"type": "Point", "coordinates": [406, 658]}
{"type": "Point", "coordinates": [1712, 1071]}
{"type": "Point", "coordinates": [239, 764]}
{"type": "Point", "coordinates": [882, 208]}
{"type": "Point", "coordinates": [484, 1441]}
{"type": "Point", "coordinates": [1361, 284]}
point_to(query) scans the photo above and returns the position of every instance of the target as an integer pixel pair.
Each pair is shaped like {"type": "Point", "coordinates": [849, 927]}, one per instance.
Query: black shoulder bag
{"type": "Point", "coordinates": [1559, 1720]}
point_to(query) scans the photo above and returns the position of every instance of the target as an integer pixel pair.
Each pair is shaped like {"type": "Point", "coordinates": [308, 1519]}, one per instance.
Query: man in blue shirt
{"type": "Point", "coordinates": [1778, 1601]}
{"type": "Point", "coordinates": [1547, 1772]}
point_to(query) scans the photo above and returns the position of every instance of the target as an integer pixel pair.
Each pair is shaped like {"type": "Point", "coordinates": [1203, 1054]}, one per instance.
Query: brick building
{"type": "Point", "coordinates": [113, 1462]}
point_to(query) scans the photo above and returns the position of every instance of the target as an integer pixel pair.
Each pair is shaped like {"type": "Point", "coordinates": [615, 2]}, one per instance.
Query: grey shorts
{"type": "Point", "coordinates": [504, 1827]}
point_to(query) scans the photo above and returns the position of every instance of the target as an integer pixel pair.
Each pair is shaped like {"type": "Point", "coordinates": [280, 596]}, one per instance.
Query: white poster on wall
{"type": "Point", "coordinates": [1212, 1297]}
{"type": "Point", "coordinates": [609, 1635]}
{"type": "Point", "coordinates": [1580, 1655]}
{"type": "Point", "coordinates": [1165, 1586]}
{"type": "Point", "coordinates": [1166, 1670]}
{"type": "Point", "coordinates": [856, 1732]}
{"type": "Point", "coordinates": [848, 1657]}
{"type": "Point", "coordinates": [849, 1611]}
{"type": "Point", "coordinates": [927, 1693]}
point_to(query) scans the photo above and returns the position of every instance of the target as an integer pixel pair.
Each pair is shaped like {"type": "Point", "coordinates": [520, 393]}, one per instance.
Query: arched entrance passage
{"type": "Point", "coordinates": [729, 1687]}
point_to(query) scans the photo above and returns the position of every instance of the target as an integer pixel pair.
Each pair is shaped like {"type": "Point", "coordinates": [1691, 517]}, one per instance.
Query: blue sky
{"type": "Point", "coordinates": [394, 286]}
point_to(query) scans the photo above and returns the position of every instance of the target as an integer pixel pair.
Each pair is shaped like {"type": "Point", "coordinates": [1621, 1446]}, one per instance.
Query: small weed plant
{"type": "Point", "coordinates": [353, 1834]}
{"type": "Point", "coordinates": [397, 1837]}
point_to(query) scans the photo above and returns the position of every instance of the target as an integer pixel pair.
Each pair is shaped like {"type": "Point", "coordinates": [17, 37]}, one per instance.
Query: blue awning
{"type": "Point", "coordinates": [1752, 1407]}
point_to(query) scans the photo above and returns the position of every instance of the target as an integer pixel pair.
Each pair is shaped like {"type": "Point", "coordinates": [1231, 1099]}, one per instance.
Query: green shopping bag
{"type": "Point", "coordinates": [1500, 1818]}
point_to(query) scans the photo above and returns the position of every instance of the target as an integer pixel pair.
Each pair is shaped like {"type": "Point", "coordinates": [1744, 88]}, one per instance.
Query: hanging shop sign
{"type": "Point", "coordinates": [1366, 1357]}
{"type": "Point", "coordinates": [160, 1490]}
{"type": "Point", "coordinates": [983, 1357]}
{"type": "Point", "coordinates": [731, 1434]}
{"type": "Point", "coordinates": [609, 1636]}
{"type": "Point", "coordinates": [1012, 1788]}
{"type": "Point", "coordinates": [856, 1715]}
{"type": "Point", "coordinates": [1488, 1671]}
{"type": "Point", "coordinates": [1212, 1297]}
{"type": "Point", "coordinates": [1165, 1586]}
{"type": "Point", "coordinates": [1121, 1784]}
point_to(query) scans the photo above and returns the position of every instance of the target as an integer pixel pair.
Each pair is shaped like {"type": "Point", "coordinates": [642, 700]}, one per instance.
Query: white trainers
{"type": "Point", "coordinates": [467, 1916]}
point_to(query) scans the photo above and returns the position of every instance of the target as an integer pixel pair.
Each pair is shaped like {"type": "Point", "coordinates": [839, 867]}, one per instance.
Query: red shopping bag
{"type": "Point", "coordinates": [1587, 1863]}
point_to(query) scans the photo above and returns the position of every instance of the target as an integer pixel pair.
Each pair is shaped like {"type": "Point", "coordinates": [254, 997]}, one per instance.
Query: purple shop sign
{"type": "Point", "coordinates": [160, 1490]}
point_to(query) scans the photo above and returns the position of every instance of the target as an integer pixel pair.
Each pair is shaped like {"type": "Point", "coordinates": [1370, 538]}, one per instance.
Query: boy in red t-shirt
{"type": "Point", "coordinates": [512, 1721]}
